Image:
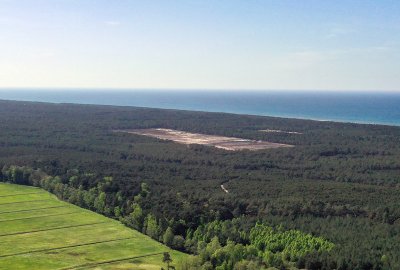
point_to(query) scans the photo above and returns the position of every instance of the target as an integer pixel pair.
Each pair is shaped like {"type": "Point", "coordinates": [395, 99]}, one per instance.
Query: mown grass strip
{"type": "Point", "coordinates": [51, 215]}
{"type": "Point", "coordinates": [33, 209]}
{"type": "Point", "coordinates": [65, 247]}
{"type": "Point", "coordinates": [24, 202]}
{"type": "Point", "coordinates": [108, 262]}
{"type": "Point", "coordinates": [20, 194]}
{"type": "Point", "coordinates": [54, 228]}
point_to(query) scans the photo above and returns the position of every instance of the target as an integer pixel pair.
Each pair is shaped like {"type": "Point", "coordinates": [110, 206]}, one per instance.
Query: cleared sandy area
{"type": "Point", "coordinates": [226, 143]}
{"type": "Point", "coordinates": [279, 131]}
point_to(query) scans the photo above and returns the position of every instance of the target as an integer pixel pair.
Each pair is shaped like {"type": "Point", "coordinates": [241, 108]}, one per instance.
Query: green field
{"type": "Point", "coordinates": [38, 231]}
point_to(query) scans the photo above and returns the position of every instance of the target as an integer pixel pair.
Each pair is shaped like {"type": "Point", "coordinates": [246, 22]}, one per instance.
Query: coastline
{"type": "Point", "coordinates": [344, 108]}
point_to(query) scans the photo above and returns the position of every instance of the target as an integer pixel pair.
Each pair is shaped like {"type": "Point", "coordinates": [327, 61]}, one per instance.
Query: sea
{"type": "Point", "coordinates": [356, 107]}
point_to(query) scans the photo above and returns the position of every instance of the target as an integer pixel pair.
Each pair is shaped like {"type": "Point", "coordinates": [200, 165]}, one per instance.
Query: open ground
{"type": "Point", "coordinates": [279, 131]}
{"type": "Point", "coordinates": [226, 143]}
{"type": "Point", "coordinates": [38, 231]}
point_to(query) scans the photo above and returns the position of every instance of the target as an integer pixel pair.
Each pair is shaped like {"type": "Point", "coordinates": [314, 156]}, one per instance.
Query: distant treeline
{"type": "Point", "coordinates": [340, 184]}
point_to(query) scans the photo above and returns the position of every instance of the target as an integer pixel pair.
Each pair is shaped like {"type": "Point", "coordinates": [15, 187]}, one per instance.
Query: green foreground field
{"type": "Point", "coordinates": [38, 231]}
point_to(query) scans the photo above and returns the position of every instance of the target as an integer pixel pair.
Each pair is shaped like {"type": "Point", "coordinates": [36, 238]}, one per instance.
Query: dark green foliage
{"type": "Point", "coordinates": [340, 181]}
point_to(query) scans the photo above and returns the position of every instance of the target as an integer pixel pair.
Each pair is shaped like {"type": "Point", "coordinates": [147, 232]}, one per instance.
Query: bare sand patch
{"type": "Point", "coordinates": [226, 143]}
{"type": "Point", "coordinates": [279, 131]}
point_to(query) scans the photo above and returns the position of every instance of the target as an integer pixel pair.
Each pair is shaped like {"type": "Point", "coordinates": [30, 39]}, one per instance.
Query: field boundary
{"type": "Point", "coordinates": [20, 194]}
{"type": "Point", "coordinates": [108, 262]}
{"type": "Point", "coordinates": [65, 247]}
{"type": "Point", "coordinates": [51, 215]}
{"type": "Point", "coordinates": [23, 202]}
{"type": "Point", "coordinates": [54, 228]}
{"type": "Point", "coordinates": [33, 209]}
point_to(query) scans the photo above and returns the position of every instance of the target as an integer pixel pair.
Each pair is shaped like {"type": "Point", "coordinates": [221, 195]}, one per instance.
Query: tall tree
{"type": "Point", "coordinates": [167, 259]}
{"type": "Point", "coordinates": [168, 236]}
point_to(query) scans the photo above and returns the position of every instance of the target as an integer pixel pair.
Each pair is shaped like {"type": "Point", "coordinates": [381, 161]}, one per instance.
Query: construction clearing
{"type": "Point", "coordinates": [280, 131]}
{"type": "Point", "coordinates": [221, 142]}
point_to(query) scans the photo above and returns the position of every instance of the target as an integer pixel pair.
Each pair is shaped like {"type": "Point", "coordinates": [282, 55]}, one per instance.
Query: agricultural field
{"type": "Point", "coordinates": [221, 142]}
{"type": "Point", "coordinates": [38, 231]}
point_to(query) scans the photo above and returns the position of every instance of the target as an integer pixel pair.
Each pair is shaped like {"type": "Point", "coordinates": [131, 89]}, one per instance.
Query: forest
{"type": "Point", "coordinates": [330, 202]}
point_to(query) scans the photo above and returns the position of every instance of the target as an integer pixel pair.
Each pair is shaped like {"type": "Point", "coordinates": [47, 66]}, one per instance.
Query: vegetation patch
{"type": "Point", "coordinates": [341, 181]}
{"type": "Point", "coordinates": [291, 245]}
{"type": "Point", "coordinates": [226, 245]}
{"type": "Point", "coordinates": [50, 246]}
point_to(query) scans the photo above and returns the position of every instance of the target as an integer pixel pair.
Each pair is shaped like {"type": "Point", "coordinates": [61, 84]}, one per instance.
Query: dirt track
{"type": "Point", "coordinates": [224, 189]}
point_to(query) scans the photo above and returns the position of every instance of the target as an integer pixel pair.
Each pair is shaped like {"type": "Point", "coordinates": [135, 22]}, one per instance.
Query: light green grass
{"type": "Point", "coordinates": [37, 231]}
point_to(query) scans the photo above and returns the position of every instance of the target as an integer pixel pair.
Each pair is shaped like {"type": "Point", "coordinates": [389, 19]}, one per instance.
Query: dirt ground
{"type": "Point", "coordinates": [226, 143]}
{"type": "Point", "coordinates": [279, 131]}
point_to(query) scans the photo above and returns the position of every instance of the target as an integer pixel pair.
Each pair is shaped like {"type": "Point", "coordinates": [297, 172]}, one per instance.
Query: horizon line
{"type": "Point", "coordinates": [126, 89]}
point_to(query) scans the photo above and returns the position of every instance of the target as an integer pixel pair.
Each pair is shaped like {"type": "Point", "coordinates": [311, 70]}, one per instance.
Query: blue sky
{"type": "Point", "coordinates": [209, 44]}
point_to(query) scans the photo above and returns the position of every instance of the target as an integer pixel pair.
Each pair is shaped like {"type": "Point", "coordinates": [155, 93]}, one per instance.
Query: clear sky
{"type": "Point", "coordinates": [204, 44]}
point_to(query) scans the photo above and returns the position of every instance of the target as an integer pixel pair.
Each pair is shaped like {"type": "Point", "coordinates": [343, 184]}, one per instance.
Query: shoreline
{"type": "Point", "coordinates": [284, 116]}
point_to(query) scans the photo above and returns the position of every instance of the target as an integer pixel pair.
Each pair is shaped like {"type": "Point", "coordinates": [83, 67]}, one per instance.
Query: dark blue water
{"type": "Point", "coordinates": [378, 108]}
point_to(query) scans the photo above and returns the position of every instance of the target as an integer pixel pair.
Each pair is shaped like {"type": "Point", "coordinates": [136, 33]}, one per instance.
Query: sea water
{"type": "Point", "coordinates": [368, 107]}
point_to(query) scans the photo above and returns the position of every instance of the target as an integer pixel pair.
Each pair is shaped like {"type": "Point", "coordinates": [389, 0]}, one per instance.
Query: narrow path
{"type": "Point", "coordinates": [224, 189]}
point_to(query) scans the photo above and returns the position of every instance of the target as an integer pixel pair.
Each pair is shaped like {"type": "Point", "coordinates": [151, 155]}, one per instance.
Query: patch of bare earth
{"type": "Point", "coordinates": [280, 131]}
{"type": "Point", "coordinates": [226, 143]}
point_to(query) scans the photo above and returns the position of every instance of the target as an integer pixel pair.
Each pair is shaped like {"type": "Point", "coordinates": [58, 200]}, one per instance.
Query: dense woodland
{"type": "Point", "coordinates": [330, 202]}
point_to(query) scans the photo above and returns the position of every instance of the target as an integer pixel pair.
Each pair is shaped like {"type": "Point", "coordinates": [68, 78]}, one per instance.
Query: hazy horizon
{"type": "Point", "coordinates": [196, 90]}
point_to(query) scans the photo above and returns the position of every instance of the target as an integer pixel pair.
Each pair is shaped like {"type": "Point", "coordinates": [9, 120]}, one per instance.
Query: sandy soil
{"type": "Point", "coordinates": [279, 131]}
{"type": "Point", "coordinates": [226, 143]}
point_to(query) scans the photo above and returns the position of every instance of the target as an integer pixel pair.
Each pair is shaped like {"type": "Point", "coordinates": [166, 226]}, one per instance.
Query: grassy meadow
{"type": "Point", "coordinates": [38, 231]}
